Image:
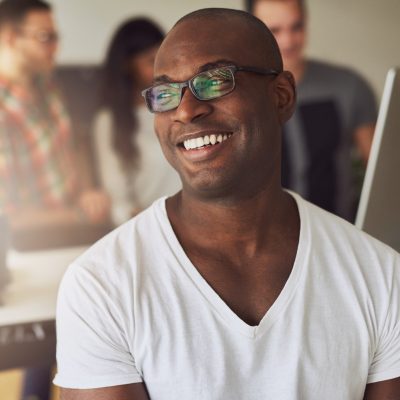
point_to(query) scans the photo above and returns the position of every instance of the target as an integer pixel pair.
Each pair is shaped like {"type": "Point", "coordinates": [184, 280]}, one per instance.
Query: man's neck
{"type": "Point", "coordinates": [249, 222]}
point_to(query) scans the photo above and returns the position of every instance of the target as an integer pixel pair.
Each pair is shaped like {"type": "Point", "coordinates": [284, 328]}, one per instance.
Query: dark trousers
{"type": "Point", "coordinates": [37, 384]}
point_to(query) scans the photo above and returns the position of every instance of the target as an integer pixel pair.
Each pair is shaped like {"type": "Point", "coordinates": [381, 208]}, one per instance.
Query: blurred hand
{"type": "Point", "coordinates": [96, 205]}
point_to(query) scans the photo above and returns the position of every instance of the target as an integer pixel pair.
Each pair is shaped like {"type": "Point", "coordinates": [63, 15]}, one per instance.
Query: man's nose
{"type": "Point", "coordinates": [52, 47]}
{"type": "Point", "coordinates": [191, 108]}
{"type": "Point", "coordinates": [285, 40]}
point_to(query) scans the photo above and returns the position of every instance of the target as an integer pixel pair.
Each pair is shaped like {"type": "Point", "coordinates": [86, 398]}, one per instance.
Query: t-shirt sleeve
{"type": "Point", "coordinates": [386, 362]}
{"type": "Point", "coordinates": [364, 103]}
{"type": "Point", "coordinates": [94, 332]}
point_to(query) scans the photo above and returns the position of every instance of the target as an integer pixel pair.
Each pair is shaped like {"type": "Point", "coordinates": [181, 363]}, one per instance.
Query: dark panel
{"type": "Point", "coordinates": [321, 126]}
{"type": "Point", "coordinates": [27, 344]}
{"type": "Point", "coordinates": [79, 234]}
{"type": "Point", "coordinates": [80, 87]}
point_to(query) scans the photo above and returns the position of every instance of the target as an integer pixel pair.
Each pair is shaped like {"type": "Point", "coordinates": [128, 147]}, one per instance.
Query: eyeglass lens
{"type": "Point", "coordinates": [46, 37]}
{"type": "Point", "coordinates": [205, 86]}
{"type": "Point", "coordinates": [212, 84]}
{"type": "Point", "coordinates": [41, 35]}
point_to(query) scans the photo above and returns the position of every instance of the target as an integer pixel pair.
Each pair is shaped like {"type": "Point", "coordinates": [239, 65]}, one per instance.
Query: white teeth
{"type": "Point", "coordinates": [200, 142]}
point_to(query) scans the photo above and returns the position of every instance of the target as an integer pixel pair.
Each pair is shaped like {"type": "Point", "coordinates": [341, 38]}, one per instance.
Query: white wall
{"type": "Point", "coordinates": [86, 26]}
{"type": "Point", "coordinates": [364, 34]}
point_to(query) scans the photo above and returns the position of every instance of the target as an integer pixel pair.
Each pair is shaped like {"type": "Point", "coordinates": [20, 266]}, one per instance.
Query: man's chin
{"type": "Point", "coordinates": [293, 64]}
{"type": "Point", "coordinates": [47, 68]}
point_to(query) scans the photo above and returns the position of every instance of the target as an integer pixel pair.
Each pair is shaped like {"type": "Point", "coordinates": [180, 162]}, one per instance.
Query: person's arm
{"type": "Point", "coordinates": [363, 136]}
{"type": "Point", "coordinates": [112, 177]}
{"type": "Point", "coordinates": [134, 391]}
{"type": "Point", "coordinates": [95, 205]}
{"type": "Point", "coordinates": [385, 390]}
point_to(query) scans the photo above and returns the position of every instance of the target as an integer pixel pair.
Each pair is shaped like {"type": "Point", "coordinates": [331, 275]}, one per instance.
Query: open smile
{"type": "Point", "coordinates": [205, 141]}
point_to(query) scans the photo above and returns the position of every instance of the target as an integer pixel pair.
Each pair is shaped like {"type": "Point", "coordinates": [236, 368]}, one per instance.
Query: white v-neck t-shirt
{"type": "Point", "coordinates": [134, 308]}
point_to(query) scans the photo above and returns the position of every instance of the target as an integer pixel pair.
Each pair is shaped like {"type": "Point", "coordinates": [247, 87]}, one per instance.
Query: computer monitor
{"type": "Point", "coordinates": [379, 209]}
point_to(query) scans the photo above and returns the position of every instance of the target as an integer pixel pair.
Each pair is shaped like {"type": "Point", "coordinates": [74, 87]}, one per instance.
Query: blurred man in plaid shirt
{"type": "Point", "coordinates": [41, 186]}
{"type": "Point", "coordinates": [42, 193]}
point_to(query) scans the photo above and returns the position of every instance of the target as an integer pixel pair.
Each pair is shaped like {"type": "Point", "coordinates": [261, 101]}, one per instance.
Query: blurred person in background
{"type": "Point", "coordinates": [42, 192]}
{"type": "Point", "coordinates": [328, 140]}
{"type": "Point", "coordinates": [41, 188]}
{"type": "Point", "coordinates": [131, 165]}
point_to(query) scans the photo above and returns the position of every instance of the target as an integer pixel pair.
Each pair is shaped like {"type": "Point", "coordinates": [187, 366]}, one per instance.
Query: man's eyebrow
{"type": "Point", "coordinates": [161, 79]}
{"type": "Point", "coordinates": [205, 67]}
{"type": "Point", "coordinates": [215, 64]}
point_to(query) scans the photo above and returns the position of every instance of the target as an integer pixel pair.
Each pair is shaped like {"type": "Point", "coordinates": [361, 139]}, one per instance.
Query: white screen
{"type": "Point", "coordinates": [379, 209]}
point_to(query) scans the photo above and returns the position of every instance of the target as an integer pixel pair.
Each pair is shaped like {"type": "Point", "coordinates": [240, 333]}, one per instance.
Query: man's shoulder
{"type": "Point", "coordinates": [126, 243]}
{"type": "Point", "coordinates": [318, 67]}
{"type": "Point", "coordinates": [5, 112]}
{"type": "Point", "coordinates": [4, 94]}
{"type": "Point", "coordinates": [4, 84]}
{"type": "Point", "coordinates": [333, 75]}
{"type": "Point", "coordinates": [11, 100]}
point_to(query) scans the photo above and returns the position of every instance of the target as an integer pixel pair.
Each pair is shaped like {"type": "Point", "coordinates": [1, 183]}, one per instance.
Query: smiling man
{"type": "Point", "coordinates": [233, 288]}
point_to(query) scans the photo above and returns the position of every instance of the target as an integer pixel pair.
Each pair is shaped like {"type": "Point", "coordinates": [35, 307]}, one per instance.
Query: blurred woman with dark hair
{"type": "Point", "coordinates": [131, 165]}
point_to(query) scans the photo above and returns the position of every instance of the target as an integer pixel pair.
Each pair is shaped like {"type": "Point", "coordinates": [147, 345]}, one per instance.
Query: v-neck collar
{"type": "Point", "coordinates": [215, 301]}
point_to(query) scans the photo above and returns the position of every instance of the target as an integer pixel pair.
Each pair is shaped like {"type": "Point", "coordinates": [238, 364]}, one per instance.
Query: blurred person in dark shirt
{"type": "Point", "coordinates": [327, 142]}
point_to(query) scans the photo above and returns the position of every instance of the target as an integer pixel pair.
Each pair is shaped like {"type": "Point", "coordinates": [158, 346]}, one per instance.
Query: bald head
{"type": "Point", "coordinates": [242, 24]}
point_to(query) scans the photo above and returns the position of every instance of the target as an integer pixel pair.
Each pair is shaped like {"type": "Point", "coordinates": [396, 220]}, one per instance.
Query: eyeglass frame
{"type": "Point", "coordinates": [34, 33]}
{"type": "Point", "coordinates": [189, 83]}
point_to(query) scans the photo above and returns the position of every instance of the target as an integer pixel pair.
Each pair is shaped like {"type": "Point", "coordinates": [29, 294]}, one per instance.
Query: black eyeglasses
{"type": "Point", "coordinates": [207, 85]}
{"type": "Point", "coordinates": [40, 35]}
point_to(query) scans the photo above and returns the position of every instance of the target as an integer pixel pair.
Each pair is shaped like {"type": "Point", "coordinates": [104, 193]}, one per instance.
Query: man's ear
{"type": "Point", "coordinates": [285, 95]}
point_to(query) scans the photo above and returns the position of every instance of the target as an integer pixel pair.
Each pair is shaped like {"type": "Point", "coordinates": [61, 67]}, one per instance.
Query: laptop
{"type": "Point", "coordinates": [379, 208]}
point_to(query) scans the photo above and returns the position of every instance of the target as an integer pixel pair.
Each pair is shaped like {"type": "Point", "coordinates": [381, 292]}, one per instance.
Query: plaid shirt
{"type": "Point", "coordinates": [36, 167]}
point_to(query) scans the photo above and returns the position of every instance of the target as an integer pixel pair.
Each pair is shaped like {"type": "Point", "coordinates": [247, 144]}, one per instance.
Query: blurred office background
{"type": "Point", "coordinates": [362, 34]}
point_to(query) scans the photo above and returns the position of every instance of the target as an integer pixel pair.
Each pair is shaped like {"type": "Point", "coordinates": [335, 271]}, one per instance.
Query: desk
{"type": "Point", "coordinates": [27, 329]}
